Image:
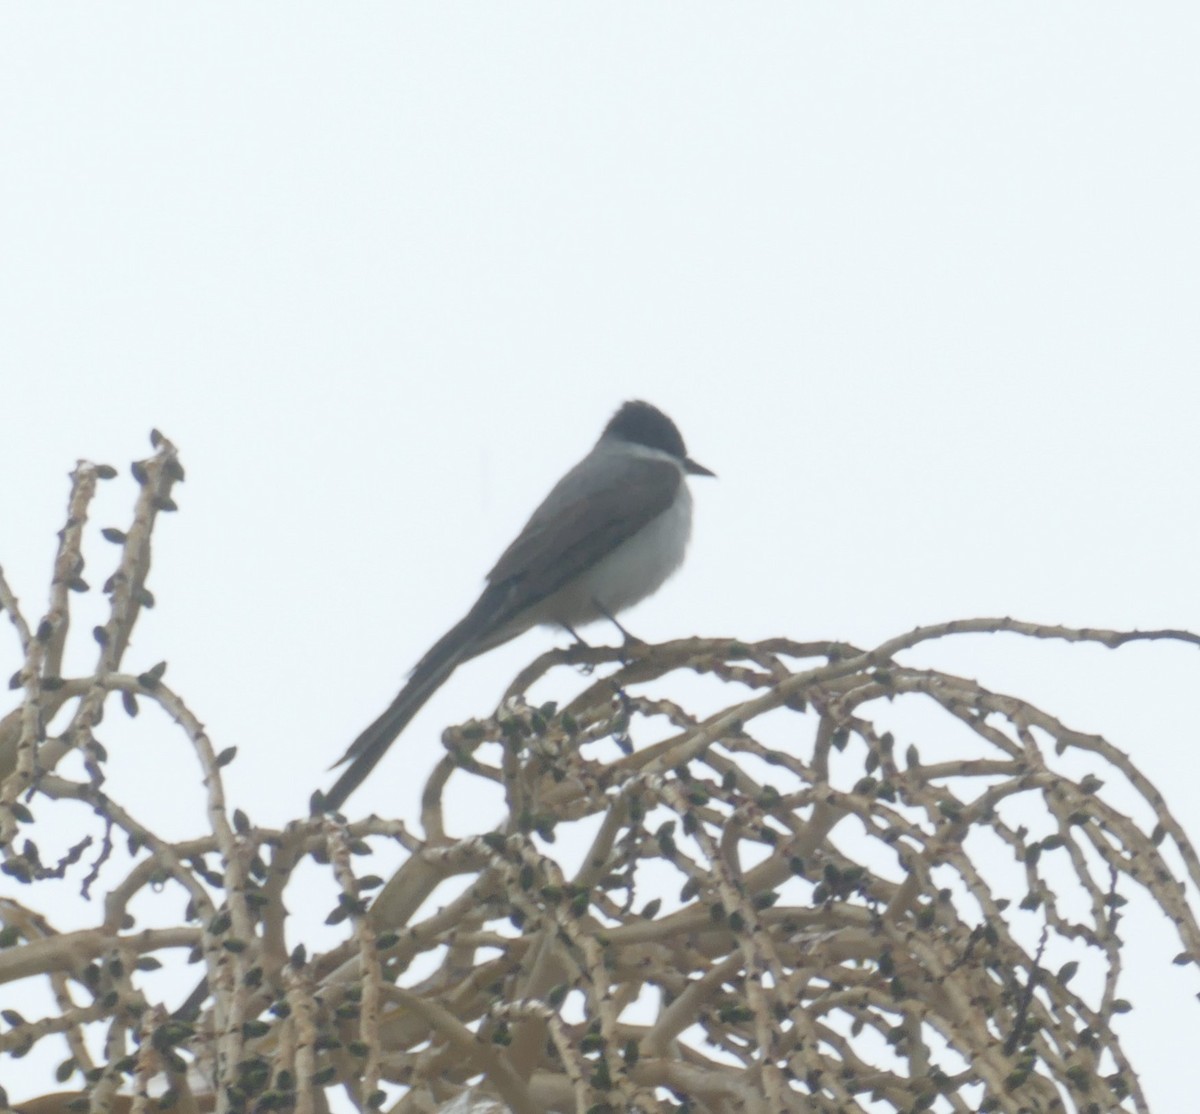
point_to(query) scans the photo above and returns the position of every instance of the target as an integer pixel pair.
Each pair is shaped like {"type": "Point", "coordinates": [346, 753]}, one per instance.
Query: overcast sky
{"type": "Point", "coordinates": [920, 282]}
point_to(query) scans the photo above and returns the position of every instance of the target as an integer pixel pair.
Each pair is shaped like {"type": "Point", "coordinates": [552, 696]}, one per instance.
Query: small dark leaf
{"type": "Point", "coordinates": [112, 534]}
{"type": "Point", "coordinates": [129, 702]}
{"type": "Point", "coordinates": [105, 472]}
{"type": "Point", "coordinates": [226, 756]}
{"type": "Point", "coordinates": [144, 596]}
{"type": "Point", "coordinates": [18, 869]}
{"type": "Point", "coordinates": [100, 635]}
{"type": "Point", "coordinates": [139, 471]}
{"type": "Point", "coordinates": [156, 438]}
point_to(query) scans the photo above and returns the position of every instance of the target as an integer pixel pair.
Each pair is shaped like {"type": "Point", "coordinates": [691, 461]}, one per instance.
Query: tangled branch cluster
{"type": "Point", "coordinates": [768, 908]}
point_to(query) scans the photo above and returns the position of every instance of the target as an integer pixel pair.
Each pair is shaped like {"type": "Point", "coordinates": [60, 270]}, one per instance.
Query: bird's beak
{"type": "Point", "coordinates": [694, 469]}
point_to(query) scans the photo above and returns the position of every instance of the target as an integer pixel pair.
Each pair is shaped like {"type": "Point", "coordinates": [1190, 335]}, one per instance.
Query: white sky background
{"type": "Point", "coordinates": [920, 283]}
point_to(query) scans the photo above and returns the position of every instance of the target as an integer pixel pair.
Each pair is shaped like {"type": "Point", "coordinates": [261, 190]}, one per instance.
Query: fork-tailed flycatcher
{"type": "Point", "coordinates": [611, 531]}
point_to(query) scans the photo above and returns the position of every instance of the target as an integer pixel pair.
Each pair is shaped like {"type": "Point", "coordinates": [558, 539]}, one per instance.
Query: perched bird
{"type": "Point", "coordinates": [610, 532]}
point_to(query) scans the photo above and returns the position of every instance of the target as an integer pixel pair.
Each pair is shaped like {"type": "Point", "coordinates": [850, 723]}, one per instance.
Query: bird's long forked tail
{"type": "Point", "coordinates": [372, 744]}
{"type": "Point", "coordinates": [432, 671]}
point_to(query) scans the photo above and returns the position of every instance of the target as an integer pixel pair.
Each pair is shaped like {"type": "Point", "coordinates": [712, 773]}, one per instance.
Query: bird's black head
{"type": "Point", "coordinates": [639, 423]}
{"type": "Point", "coordinates": [644, 424]}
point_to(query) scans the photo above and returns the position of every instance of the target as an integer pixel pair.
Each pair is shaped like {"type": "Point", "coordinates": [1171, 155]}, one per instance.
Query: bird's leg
{"type": "Point", "coordinates": [575, 635]}
{"type": "Point", "coordinates": [630, 639]}
{"type": "Point", "coordinates": [579, 644]}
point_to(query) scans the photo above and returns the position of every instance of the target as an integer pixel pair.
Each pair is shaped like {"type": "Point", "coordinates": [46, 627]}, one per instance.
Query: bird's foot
{"type": "Point", "coordinates": [585, 667]}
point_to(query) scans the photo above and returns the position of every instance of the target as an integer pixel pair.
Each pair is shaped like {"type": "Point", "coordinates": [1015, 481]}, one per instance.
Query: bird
{"type": "Point", "coordinates": [609, 534]}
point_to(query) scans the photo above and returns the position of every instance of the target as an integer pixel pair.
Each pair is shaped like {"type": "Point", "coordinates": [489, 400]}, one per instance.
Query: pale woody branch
{"type": "Point", "coordinates": [750, 919]}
